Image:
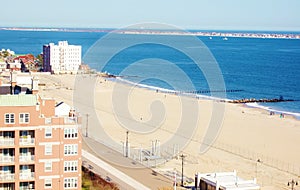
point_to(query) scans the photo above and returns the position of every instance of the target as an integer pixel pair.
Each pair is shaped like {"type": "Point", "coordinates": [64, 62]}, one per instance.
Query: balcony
{"type": "Point", "coordinates": [26, 175]}
{"type": "Point", "coordinates": [70, 120]}
{"type": "Point", "coordinates": [7, 159]}
{"type": "Point", "coordinates": [7, 186]}
{"type": "Point", "coordinates": [7, 141]}
{"type": "Point", "coordinates": [66, 120]}
{"type": "Point", "coordinates": [26, 158]}
{"type": "Point", "coordinates": [26, 188]}
{"type": "Point", "coordinates": [7, 177]}
{"type": "Point", "coordinates": [27, 140]}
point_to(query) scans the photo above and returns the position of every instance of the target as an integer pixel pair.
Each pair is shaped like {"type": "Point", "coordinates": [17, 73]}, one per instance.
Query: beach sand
{"type": "Point", "coordinates": [246, 135]}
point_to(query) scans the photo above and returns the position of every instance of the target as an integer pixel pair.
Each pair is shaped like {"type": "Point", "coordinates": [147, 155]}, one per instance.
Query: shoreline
{"type": "Point", "coordinates": [198, 33]}
{"type": "Point", "coordinates": [257, 106]}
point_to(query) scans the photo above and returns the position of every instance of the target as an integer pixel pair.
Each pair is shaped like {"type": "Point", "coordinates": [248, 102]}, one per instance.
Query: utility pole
{"type": "Point", "coordinates": [292, 183]}
{"type": "Point", "coordinates": [127, 132]}
{"type": "Point", "coordinates": [257, 161]}
{"type": "Point", "coordinates": [182, 159]}
{"type": "Point", "coordinates": [87, 125]}
{"type": "Point", "coordinates": [175, 180]}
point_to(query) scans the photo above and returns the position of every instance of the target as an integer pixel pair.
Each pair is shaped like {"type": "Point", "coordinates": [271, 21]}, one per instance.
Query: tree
{"type": "Point", "coordinates": [5, 53]}
{"type": "Point", "coordinates": [39, 62]}
{"type": "Point", "coordinates": [39, 58]}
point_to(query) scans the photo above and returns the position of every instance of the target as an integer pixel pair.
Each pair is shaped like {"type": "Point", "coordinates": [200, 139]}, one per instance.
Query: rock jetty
{"type": "Point", "coordinates": [265, 100]}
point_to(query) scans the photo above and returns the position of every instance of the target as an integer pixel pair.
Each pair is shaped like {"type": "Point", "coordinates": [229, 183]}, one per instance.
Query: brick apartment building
{"type": "Point", "coordinates": [38, 149]}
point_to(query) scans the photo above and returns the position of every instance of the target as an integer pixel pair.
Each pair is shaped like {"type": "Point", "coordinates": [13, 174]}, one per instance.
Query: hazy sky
{"type": "Point", "coordinates": [186, 14]}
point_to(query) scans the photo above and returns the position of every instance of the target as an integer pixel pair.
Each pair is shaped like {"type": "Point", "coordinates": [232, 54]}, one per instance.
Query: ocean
{"type": "Point", "coordinates": [251, 67]}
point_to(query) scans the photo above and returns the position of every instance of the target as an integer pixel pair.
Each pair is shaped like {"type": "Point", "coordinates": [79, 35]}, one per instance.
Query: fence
{"type": "Point", "coordinates": [154, 155]}
{"type": "Point", "coordinates": [263, 158]}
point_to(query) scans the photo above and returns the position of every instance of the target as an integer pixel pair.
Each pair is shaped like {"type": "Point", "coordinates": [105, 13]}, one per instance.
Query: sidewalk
{"type": "Point", "coordinates": [139, 174]}
{"type": "Point", "coordinates": [109, 173]}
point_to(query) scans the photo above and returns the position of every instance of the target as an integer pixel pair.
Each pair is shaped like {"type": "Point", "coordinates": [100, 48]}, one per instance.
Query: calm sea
{"type": "Point", "coordinates": [257, 68]}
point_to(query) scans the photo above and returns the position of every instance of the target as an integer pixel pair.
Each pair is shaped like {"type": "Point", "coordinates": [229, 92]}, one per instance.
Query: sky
{"type": "Point", "coordinates": [185, 14]}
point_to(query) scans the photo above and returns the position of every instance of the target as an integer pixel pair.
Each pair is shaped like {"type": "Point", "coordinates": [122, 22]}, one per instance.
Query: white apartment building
{"type": "Point", "coordinates": [61, 58]}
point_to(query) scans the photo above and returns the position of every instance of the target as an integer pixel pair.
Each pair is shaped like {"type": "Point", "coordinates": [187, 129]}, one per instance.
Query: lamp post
{"type": "Point", "coordinates": [87, 125]}
{"type": "Point", "coordinates": [182, 159]}
{"type": "Point", "coordinates": [127, 132]}
{"type": "Point", "coordinates": [292, 183]}
{"type": "Point", "coordinates": [257, 161]}
{"type": "Point", "coordinates": [175, 180]}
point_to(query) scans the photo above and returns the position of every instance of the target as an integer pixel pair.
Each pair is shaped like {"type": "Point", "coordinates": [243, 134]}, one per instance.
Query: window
{"type": "Point", "coordinates": [48, 132]}
{"type": "Point", "coordinates": [48, 183]}
{"type": "Point", "coordinates": [48, 166]}
{"type": "Point", "coordinates": [24, 133]}
{"type": "Point", "coordinates": [24, 117]}
{"type": "Point", "coordinates": [9, 118]}
{"type": "Point", "coordinates": [24, 168]}
{"type": "Point", "coordinates": [24, 151]}
{"type": "Point", "coordinates": [71, 149]}
{"type": "Point", "coordinates": [71, 133]}
{"type": "Point", "coordinates": [70, 182]}
{"type": "Point", "coordinates": [7, 134]}
{"type": "Point", "coordinates": [71, 166]}
{"type": "Point", "coordinates": [48, 149]}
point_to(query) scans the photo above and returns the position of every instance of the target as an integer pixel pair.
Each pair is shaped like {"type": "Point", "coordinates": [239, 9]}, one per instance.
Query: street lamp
{"type": "Point", "coordinates": [292, 183]}
{"type": "Point", "coordinates": [182, 159]}
{"type": "Point", "coordinates": [87, 125]}
{"type": "Point", "coordinates": [175, 180]}
{"type": "Point", "coordinates": [127, 132]}
{"type": "Point", "coordinates": [257, 161]}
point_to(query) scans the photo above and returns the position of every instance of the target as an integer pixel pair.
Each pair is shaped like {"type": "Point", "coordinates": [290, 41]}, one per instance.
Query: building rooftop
{"type": "Point", "coordinates": [229, 181]}
{"type": "Point", "coordinates": [18, 100]}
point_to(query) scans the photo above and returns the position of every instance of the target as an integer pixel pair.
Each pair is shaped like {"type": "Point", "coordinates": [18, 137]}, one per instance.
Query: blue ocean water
{"type": "Point", "coordinates": [259, 68]}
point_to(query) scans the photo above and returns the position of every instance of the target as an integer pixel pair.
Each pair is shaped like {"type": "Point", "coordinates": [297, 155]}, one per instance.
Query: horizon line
{"type": "Point", "coordinates": [140, 29]}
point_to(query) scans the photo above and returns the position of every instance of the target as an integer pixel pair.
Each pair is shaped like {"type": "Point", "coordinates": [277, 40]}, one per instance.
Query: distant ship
{"type": "Point", "coordinates": [210, 37]}
{"type": "Point", "coordinates": [225, 38]}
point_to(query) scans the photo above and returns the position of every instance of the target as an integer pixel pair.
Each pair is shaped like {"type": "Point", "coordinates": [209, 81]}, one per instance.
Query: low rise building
{"type": "Point", "coordinates": [3, 66]}
{"type": "Point", "coordinates": [14, 66]}
{"type": "Point", "coordinates": [224, 181]}
{"type": "Point", "coordinates": [27, 62]}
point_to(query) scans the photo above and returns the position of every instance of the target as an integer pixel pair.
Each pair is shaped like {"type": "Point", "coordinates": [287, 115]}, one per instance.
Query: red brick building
{"type": "Point", "coordinates": [38, 150]}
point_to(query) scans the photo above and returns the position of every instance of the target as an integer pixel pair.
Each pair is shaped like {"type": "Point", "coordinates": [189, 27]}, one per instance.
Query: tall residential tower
{"type": "Point", "coordinates": [61, 58]}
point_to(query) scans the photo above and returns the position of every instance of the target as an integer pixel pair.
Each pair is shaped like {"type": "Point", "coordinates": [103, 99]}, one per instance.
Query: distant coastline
{"type": "Point", "coordinates": [224, 34]}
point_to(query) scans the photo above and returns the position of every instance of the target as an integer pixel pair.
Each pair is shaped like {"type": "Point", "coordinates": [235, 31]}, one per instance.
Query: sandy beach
{"type": "Point", "coordinates": [246, 134]}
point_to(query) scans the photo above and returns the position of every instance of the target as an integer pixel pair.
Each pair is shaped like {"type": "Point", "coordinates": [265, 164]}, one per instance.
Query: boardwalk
{"type": "Point", "coordinates": [145, 176]}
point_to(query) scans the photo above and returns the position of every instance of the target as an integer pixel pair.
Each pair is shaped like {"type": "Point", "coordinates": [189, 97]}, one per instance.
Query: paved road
{"type": "Point", "coordinates": [136, 171]}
